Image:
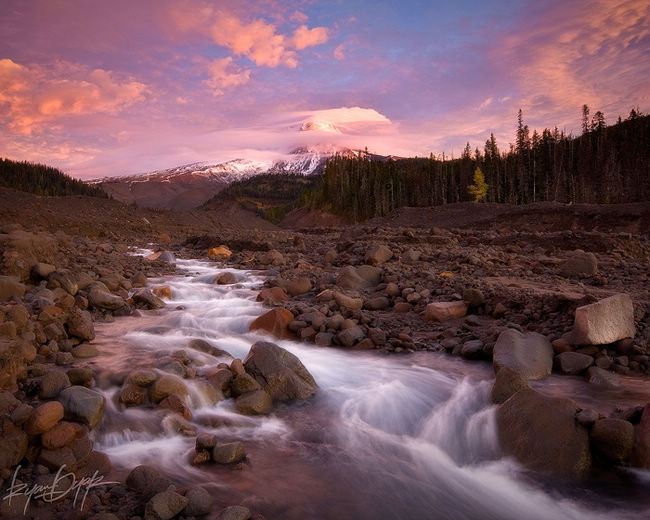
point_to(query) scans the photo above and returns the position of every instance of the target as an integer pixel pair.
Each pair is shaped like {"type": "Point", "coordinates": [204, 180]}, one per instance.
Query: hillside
{"type": "Point", "coordinates": [43, 180]}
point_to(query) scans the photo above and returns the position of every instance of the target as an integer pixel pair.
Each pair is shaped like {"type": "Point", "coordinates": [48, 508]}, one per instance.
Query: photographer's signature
{"type": "Point", "coordinates": [57, 489]}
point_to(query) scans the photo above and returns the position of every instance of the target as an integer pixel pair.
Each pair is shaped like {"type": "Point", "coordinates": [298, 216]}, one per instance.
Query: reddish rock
{"type": "Point", "coordinates": [163, 291]}
{"type": "Point", "coordinates": [605, 321]}
{"type": "Point", "coordinates": [219, 253]}
{"type": "Point", "coordinates": [444, 311]}
{"type": "Point", "coordinates": [44, 418]}
{"type": "Point", "coordinates": [275, 294]}
{"type": "Point", "coordinates": [275, 322]}
{"type": "Point", "coordinates": [62, 434]}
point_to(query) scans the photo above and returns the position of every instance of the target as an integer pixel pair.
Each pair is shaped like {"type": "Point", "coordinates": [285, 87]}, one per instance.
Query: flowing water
{"type": "Point", "coordinates": [386, 437]}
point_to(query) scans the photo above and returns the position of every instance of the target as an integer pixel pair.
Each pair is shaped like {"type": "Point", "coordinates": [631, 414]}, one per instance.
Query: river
{"type": "Point", "coordinates": [386, 437]}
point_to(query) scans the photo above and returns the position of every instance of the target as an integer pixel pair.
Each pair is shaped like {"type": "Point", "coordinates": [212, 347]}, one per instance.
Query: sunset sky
{"type": "Point", "coordinates": [122, 86]}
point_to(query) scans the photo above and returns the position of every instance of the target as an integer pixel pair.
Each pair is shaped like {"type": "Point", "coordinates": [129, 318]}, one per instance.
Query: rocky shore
{"type": "Point", "coordinates": [569, 302]}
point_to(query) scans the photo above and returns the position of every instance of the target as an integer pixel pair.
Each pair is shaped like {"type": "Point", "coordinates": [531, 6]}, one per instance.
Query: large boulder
{"type": "Point", "coordinates": [10, 287]}
{"type": "Point", "coordinates": [613, 438]}
{"type": "Point", "coordinates": [229, 453]}
{"type": "Point", "coordinates": [102, 299]}
{"type": "Point", "coordinates": [65, 279]}
{"type": "Point", "coordinates": [44, 418]}
{"type": "Point", "coordinates": [507, 383]}
{"type": "Point", "coordinates": [257, 402]}
{"type": "Point", "coordinates": [603, 322]}
{"type": "Point", "coordinates": [167, 385]}
{"type": "Point", "coordinates": [529, 354]}
{"type": "Point", "coordinates": [165, 505]}
{"type": "Point", "coordinates": [275, 322]}
{"type": "Point", "coordinates": [641, 453]}
{"type": "Point", "coordinates": [573, 363]}
{"type": "Point", "coordinates": [542, 433]}
{"type": "Point", "coordinates": [274, 294]}
{"type": "Point", "coordinates": [444, 311]}
{"type": "Point", "coordinates": [279, 372]}
{"type": "Point", "coordinates": [80, 324]}
{"type": "Point", "coordinates": [83, 405]}
{"type": "Point", "coordinates": [297, 286]}
{"type": "Point", "coordinates": [144, 297]}
{"type": "Point", "coordinates": [579, 264]}
{"type": "Point", "coordinates": [378, 254]}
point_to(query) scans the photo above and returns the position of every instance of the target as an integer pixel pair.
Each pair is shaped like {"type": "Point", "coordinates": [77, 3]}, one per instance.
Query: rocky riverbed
{"type": "Point", "coordinates": [569, 303]}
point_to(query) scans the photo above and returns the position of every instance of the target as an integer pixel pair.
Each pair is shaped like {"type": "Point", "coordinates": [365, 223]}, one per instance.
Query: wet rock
{"type": "Point", "coordinates": [605, 321]}
{"type": "Point", "coordinates": [167, 256]}
{"type": "Point", "coordinates": [83, 405]}
{"type": "Point", "coordinates": [133, 395]}
{"type": "Point", "coordinates": [80, 324]}
{"type": "Point", "coordinates": [219, 253]}
{"type": "Point", "coordinates": [146, 298]}
{"type": "Point", "coordinates": [10, 287]}
{"type": "Point", "coordinates": [324, 339]}
{"type": "Point", "coordinates": [529, 354]}
{"type": "Point", "coordinates": [541, 433]}
{"type": "Point", "coordinates": [235, 513]}
{"type": "Point", "coordinates": [378, 254]}
{"type": "Point", "coordinates": [163, 291]}
{"type": "Point", "coordinates": [13, 444]}
{"type": "Point", "coordinates": [101, 299]}
{"type": "Point", "coordinates": [274, 294]}
{"type": "Point", "coordinates": [600, 377]}
{"type": "Point", "coordinates": [641, 453]}
{"type": "Point", "coordinates": [229, 453]}
{"type": "Point", "coordinates": [507, 383]}
{"type": "Point", "coordinates": [573, 363]}
{"type": "Point", "coordinates": [165, 506]}
{"type": "Point", "coordinates": [80, 376]}
{"type": "Point", "coordinates": [142, 378]}
{"type": "Point", "coordinates": [297, 286]}
{"type": "Point", "coordinates": [206, 441]}
{"type": "Point", "coordinates": [226, 278]}
{"type": "Point", "coordinates": [203, 346]}
{"type": "Point", "coordinates": [167, 385]}
{"type": "Point", "coordinates": [44, 418]}
{"type": "Point", "coordinates": [275, 322]}
{"type": "Point", "coordinates": [257, 402]}
{"type": "Point", "coordinates": [176, 404]}
{"type": "Point", "coordinates": [613, 439]}
{"type": "Point", "coordinates": [85, 350]}
{"type": "Point", "coordinates": [52, 383]}
{"type": "Point", "coordinates": [199, 501]}
{"type": "Point", "coordinates": [472, 349]}
{"type": "Point", "coordinates": [244, 383]}
{"type": "Point", "coordinates": [579, 264]}
{"type": "Point", "coordinates": [279, 372]}
{"type": "Point", "coordinates": [444, 311]}
{"type": "Point", "coordinates": [349, 337]}
{"type": "Point", "coordinates": [62, 434]}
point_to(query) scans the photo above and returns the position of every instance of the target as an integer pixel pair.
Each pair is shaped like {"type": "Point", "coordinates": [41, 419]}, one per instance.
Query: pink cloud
{"type": "Point", "coordinates": [225, 75]}
{"type": "Point", "coordinates": [304, 37]}
{"type": "Point", "coordinates": [37, 95]}
{"type": "Point", "coordinates": [339, 52]}
{"type": "Point", "coordinates": [299, 17]}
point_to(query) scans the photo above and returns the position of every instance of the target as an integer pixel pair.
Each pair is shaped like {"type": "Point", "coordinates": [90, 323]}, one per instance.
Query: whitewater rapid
{"type": "Point", "coordinates": [386, 437]}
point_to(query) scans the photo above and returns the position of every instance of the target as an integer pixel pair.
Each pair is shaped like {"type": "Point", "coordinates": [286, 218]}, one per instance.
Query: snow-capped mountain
{"type": "Point", "coordinates": [190, 185]}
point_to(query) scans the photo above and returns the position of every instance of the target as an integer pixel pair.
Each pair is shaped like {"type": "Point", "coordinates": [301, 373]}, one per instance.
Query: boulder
{"type": "Point", "coordinates": [279, 372]}
{"type": "Point", "coordinates": [244, 383]}
{"type": "Point", "coordinates": [165, 506]}
{"type": "Point", "coordinates": [163, 291]}
{"type": "Point", "coordinates": [83, 405]}
{"type": "Point", "coordinates": [275, 322]}
{"type": "Point", "coordinates": [80, 324]}
{"type": "Point", "coordinates": [101, 299]}
{"type": "Point", "coordinates": [23, 249]}
{"type": "Point", "coordinates": [272, 257]}
{"type": "Point", "coordinates": [274, 294]}
{"type": "Point", "coordinates": [297, 286]}
{"type": "Point", "coordinates": [257, 402]}
{"type": "Point", "coordinates": [167, 385]}
{"type": "Point", "coordinates": [44, 418]}
{"type": "Point", "coordinates": [145, 479]}
{"type": "Point", "coordinates": [62, 435]}
{"type": "Point", "coordinates": [142, 377]}
{"type": "Point", "coordinates": [132, 395]}
{"type": "Point", "coordinates": [377, 304]}
{"type": "Point", "coordinates": [225, 278]}
{"type": "Point", "coordinates": [579, 264]}
{"type": "Point", "coordinates": [42, 270]}
{"type": "Point", "coordinates": [507, 383]}
{"type": "Point", "coordinates": [219, 253]}
{"type": "Point", "coordinates": [613, 439]}
{"type": "Point", "coordinates": [13, 444]}
{"type": "Point", "coordinates": [167, 256]}
{"type": "Point", "coordinates": [378, 254]}
{"type": "Point", "coordinates": [147, 299]}
{"type": "Point", "coordinates": [199, 501]}
{"type": "Point", "coordinates": [573, 363]}
{"type": "Point", "coordinates": [343, 301]}
{"type": "Point", "coordinates": [10, 287]}
{"type": "Point", "coordinates": [472, 349]}
{"type": "Point", "coordinates": [359, 277]}
{"type": "Point", "coordinates": [529, 354]}
{"type": "Point", "coordinates": [65, 279]}
{"type": "Point", "coordinates": [641, 453]}
{"type": "Point", "coordinates": [473, 297]}
{"type": "Point", "coordinates": [52, 383]}
{"type": "Point", "coordinates": [542, 433]}
{"type": "Point", "coordinates": [444, 311]}
{"type": "Point", "coordinates": [229, 453]}
{"type": "Point", "coordinates": [203, 346]}
{"type": "Point", "coordinates": [349, 337]}
{"type": "Point", "coordinates": [603, 322]}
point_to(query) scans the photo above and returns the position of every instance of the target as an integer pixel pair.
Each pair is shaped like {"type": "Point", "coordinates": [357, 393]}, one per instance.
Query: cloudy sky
{"type": "Point", "coordinates": [123, 86]}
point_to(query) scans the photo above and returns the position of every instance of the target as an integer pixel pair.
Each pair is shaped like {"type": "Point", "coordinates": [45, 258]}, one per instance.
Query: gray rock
{"type": "Point", "coordinates": [542, 433]}
{"type": "Point", "coordinates": [229, 453]}
{"type": "Point", "coordinates": [80, 324]}
{"type": "Point", "coordinates": [613, 438]}
{"type": "Point", "coordinates": [52, 383]}
{"type": "Point", "coordinates": [579, 264]}
{"type": "Point", "coordinates": [324, 339]}
{"type": "Point", "coordinates": [165, 506]}
{"type": "Point", "coordinates": [297, 286]}
{"type": "Point", "coordinates": [199, 501]}
{"type": "Point", "coordinates": [235, 513]}
{"type": "Point", "coordinates": [83, 405]}
{"type": "Point", "coordinates": [349, 337]}
{"type": "Point", "coordinates": [146, 298]}
{"type": "Point", "coordinates": [603, 322]}
{"type": "Point", "coordinates": [145, 479]}
{"type": "Point", "coordinates": [573, 363]}
{"type": "Point", "coordinates": [378, 254]}
{"type": "Point", "coordinates": [529, 354]}
{"type": "Point", "coordinates": [472, 349]}
{"type": "Point", "coordinates": [279, 372]}
{"type": "Point", "coordinates": [167, 256]}
{"type": "Point", "coordinates": [101, 299]}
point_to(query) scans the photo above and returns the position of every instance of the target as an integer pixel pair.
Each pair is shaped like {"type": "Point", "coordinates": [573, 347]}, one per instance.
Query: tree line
{"type": "Point", "coordinates": [43, 180]}
{"type": "Point", "coordinates": [605, 164]}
